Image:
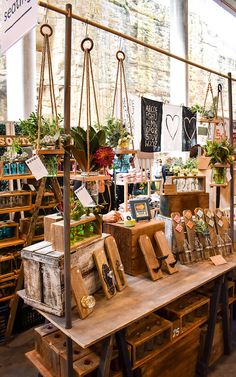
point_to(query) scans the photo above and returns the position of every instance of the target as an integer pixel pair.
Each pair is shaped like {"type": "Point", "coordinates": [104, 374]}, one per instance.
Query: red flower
{"type": "Point", "coordinates": [104, 156]}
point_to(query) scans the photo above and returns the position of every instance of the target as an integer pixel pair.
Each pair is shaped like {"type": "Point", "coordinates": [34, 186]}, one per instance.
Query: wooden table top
{"type": "Point", "coordinates": [140, 298]}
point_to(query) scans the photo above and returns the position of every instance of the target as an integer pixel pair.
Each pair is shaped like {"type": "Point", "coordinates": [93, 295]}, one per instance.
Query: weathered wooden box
{"type": "Point", "coordinates": [82, 232]}
{"type": "Point", "coordinates": [128, 245]}
{"type": "Point", "coordinates": [148, 336]}
{"type": "Point", "coordinates": [9, 230]}
{"type": "Point", "coordinates": [44, 273]}
{"type": "Point", "coordinates": [11, 201]}
{"type": "Point", "coordinates": [186, 312]}
{"type": "Point", "coordinates": [179, 359]}
{"type": "Point", "coordinates": [218, 343]}
{"type": "Point", "coordinates": [40, 332]}
{"type": "Point", "coordinates": [52, 346]}
{"type": "Point", "coordinates": [48, 221]}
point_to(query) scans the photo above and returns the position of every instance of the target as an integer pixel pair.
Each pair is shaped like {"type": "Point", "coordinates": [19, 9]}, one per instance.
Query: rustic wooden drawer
{"type": "Point", "coordinates": [147, 336]}
{"type": "Point", "coordinates": [52, 345]}
{"type": "Point", "coordinates": [40, 332]}
{"type": "Point", "coordinates": [86, 365]}
{"type": "Point", "coordinates": [82, 232]}
{"type": "Point", "coordinates": [128, 245]}
{"type": "Point", "coordinates": [186, 312]}
{"type": "Point", "coordinates": [14, 201]}
{"type": "Point", "coordinates": [178, 360]}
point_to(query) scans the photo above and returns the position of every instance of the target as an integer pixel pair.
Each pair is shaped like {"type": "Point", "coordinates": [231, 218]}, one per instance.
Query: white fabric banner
{"type": "Point", "coordinates": [18, 17]}
{"type": "Point", "coordinates": [171, 135]}
{"type": "Point", "coordinates": [135, 114]}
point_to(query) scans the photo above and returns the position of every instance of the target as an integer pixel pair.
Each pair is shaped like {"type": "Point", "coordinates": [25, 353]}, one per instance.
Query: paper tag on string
{"type": "Point", "coordinates": [84, 197]}
{"type": "Point", "coordinates": [228, 175]}
{"type": "Point", "coordinates": [36, 167]}
{"type": "Point", "coordinates": [218, 260]}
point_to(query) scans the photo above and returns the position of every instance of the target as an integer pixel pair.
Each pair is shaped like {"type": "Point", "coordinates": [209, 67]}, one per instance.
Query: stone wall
{"type": "Point", "coordinates": [3, 89]}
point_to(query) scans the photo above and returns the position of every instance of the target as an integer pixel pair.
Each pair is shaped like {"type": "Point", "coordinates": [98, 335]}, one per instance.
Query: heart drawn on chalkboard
{"type": "Point", "coordinates": [188, 121]}
{"type": "Point", "coordinates": [172, 125]}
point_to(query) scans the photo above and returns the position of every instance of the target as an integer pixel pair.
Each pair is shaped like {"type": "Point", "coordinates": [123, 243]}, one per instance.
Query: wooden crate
{"type": "Point", "coordinates": [170, 189]}
{"type": "Point", "coordinates": [218, 342]}
{"type": "Point", "coordinates": [15, 201]}
{"type": "Point", "coordinates": [183, 200]}
{"type": "Point", "coordinates": [44, 273]}
{"type": "Point", "coordinates": [52, 346]}
{"type": "Point", "coordinates": [147, 336]}
{"type": "Point", "coordinates": [207, 290]}
{"type": "Point", "coordinates": [186, 312]}
{"type": "Point", "coordinates": [179, 360]}
{"type": "Point", "coordinates": [128, 245]}
{"type": "Point", "coordinates": [25, 224]}
{"type": "Point", "coordinates": [9, 234]}
{"type": "Point", "coordinates": [48, 221]}
{"type": "Point", "coordinates": [79, 239]}
{"type": "Point", "coordinates": [3, 175]}
{"type": "Point", "coordinates": [201, 181]}
{"type": "Point", "coordinates": [39, 333]}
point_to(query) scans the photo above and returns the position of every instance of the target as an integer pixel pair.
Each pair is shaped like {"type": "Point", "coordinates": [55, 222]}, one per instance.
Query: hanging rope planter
{"type": "Point", "coordinates": [124, 143]}
{"type": "Point", "coordinates": [216, 125]}
{"type": "Point", "coordinates": [87, 143]}
{"type": "Point", "coordinates": [48, 140]}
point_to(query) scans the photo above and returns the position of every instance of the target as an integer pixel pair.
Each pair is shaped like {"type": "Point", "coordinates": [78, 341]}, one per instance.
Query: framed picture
{"type": "Point", "coordinates": [140, 209]}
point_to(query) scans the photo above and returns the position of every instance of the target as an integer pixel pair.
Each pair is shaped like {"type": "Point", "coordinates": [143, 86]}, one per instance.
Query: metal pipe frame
{"type": "Point", "coordinates": [132, 39]}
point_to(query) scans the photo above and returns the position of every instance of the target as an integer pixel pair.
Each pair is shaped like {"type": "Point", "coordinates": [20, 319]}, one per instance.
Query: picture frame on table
{"type": "Point", "coordinates": [140, 209]}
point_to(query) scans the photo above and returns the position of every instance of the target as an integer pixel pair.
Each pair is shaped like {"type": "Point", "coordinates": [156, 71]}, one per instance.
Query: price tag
{"type": "Point", "coordinates": [218, 260]}
{"type": "Point", "coordinates": [179, 228]}
{"type": "Point", "coordinates": [199, 213]}
{"type": "Point", "coordinates": [177, 219]}
{"type": "Point", "coordinates": [220, 223]}
{"type": "Point", "coordinates": [36, 167]}
{"type": "Point", "coordinates": [188, 214]}
{"type": "Point", "coordinates": [211, 223]}
{"type": "Point", "coordinates": [228, 175]}
{"type": "Point", "coordinates": [84, 197]}
{"type": "Point", "coordinates": [190, 224]}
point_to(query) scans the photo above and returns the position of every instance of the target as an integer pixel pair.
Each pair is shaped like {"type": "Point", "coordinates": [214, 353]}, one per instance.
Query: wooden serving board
{"type": "Point", "coordinates": [210, 220]}
{"type": "Point", "coordinates": [190, 227]}
{"type": "Point", "coordinates": [115, 262]}
{"type": "Point", "coordinates": [178, 229]}
{"type": "Point", "coordinates": [104, 272]}
{"type": "Point", "coordinates": [222, 223]}
{"type": "Point", "coordinates": [150, 257]}
{"type": "Point", "coordinates": [164, 250]}
{"type": "Point", "coordinates": [79, 291]}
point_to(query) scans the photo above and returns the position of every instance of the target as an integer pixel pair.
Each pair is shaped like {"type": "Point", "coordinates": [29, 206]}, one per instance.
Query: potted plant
{"type": "Point", "coordinates": [116, 133]}
{"type": "Point", "coordinates": [50, 138]}
{"type": "Point", "coordinates": [221, 156]}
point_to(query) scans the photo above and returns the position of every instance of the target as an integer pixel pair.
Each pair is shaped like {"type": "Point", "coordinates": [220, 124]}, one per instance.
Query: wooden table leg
{"type": "Point", "coordinates": [124, 354]}
{"type": "Point", "coordinates": [226, 318]}
{"type": "Point", "coordinates": [202, 365]}
{"type": "Point", "coordinates": [104, 366]}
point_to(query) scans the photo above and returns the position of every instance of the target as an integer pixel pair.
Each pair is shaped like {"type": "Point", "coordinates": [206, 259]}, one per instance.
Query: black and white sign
{"type": "Point", "coordinates": [189, 131]}
{"type": "Point", "coordinates": [36, 167]}
{"type": "Point", "coordinates": [151, 125]}
{"type": "Point", "coordinates": [18, 17]}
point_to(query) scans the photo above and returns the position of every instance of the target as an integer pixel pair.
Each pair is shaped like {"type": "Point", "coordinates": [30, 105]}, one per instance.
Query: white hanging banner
{"type": "Point", "coordinates": [18, 17]}
{"type": "Point", "coordinates": [171, 130]}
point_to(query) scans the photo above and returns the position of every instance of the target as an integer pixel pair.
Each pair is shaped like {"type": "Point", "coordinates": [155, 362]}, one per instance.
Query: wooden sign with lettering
{"type": "Point", "coordinates": [7, 140]}
{"type": "Point", "coordinates": [151, 125]}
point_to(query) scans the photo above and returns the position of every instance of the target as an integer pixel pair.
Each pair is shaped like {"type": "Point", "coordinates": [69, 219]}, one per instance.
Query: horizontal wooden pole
{"type": "Point", "coordinates": [132, 39]}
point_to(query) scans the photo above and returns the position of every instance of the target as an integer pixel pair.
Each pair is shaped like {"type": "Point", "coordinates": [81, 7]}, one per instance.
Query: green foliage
{"type": "Point", "coordinates": [114, 131]}
{"type": "Point", "coordinates": [29, 127]}
{"type": "Point", "coordinates": [77, 210]}
{"type": "Point", "coordinates": [206, 113]}
{"type": "Point", "coordinates": [201, 226]}
{"type": "Point", "coordinates": [219, 152]}
{"type": "Point", "coordinates": [79, 149]}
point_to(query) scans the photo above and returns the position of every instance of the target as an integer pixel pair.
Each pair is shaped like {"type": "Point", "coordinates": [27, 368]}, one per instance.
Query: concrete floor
{"type": "Point", "coordinates": [13, 362]}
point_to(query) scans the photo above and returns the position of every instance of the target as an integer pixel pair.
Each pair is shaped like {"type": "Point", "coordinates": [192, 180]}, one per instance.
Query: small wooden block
{"type": "Point", "coordinates": [222, 224]}
{"type": "Point", "coordinates": [80, 292]}
{"type": "Point", "coordinates": [115, 262]}
{"type": "Point", "coordinates": [150, 257]}
{"type": "Point", "coordinates": [105, 273]}
{"type": "Point", "coordinates": [209, 215]}
{"type": "Point", "coordinates": [86, 365]}
{"type": "Point", "coordinates": [199, 214]}
{"type": "Point", "coordinates": [164, 250]}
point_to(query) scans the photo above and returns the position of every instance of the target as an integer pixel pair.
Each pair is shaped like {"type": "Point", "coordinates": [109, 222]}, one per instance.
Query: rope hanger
{"type": "Point", "coordinates": [120, 77]}
{"type": "Point", "coordinates": [87, 77]}
{"type": "Point", "coordinates": [46, 31]}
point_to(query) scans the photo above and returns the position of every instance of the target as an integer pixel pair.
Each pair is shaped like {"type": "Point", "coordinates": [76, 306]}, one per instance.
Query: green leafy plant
{"type": "Point", "coordinates": [201, 226]}
{"type": "Point", "coordinates": [49, 135]}
{"type": "Point", "coordinates": [79, 148]}
{"type": "Point", "coordinates": [205, 113]}
{"type": "Point", "coordinates": [219, 152]}
{"type": "Point", "coordinates": [115, 132]}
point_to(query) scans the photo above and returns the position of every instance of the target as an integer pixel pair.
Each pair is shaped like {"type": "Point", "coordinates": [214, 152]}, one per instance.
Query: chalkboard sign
{"type": "Point", "coordinates": [151, 125]}
{"type": "Point", "coordinates": [189, 130]}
